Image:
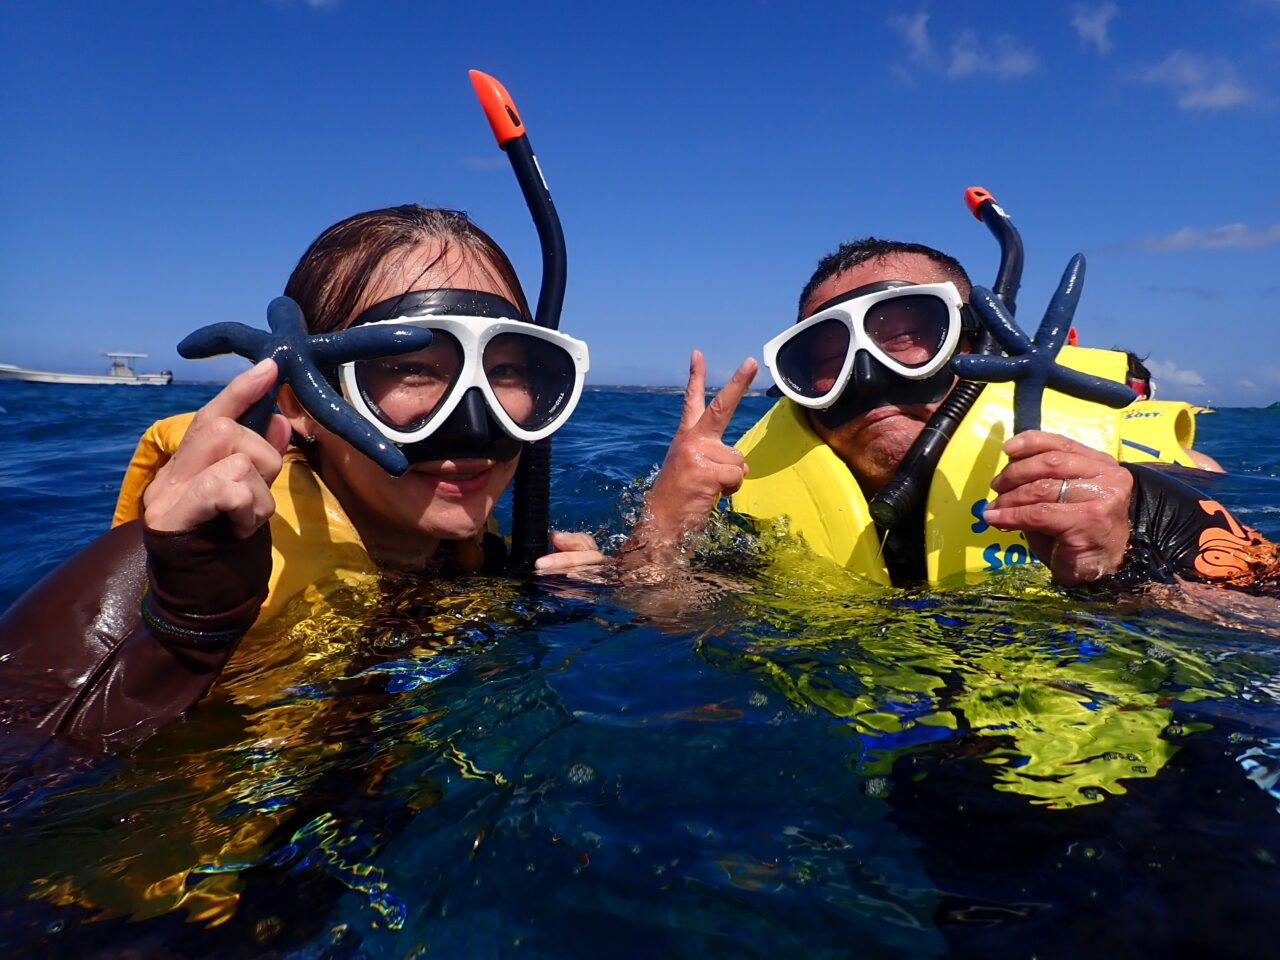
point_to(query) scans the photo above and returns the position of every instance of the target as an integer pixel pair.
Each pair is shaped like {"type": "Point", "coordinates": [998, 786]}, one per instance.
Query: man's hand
{"type": "Point", "coordinates": [220, 466]}
{"type": "Point", "coordinates": [1070, 500]}
{"type": "Point", "coordinates": [699, 467]}
{"type": "Point", "coordinates": [572, 550]}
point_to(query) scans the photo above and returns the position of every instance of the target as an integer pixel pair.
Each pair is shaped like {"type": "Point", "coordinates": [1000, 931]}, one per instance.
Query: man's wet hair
{"type": "Point", "coordinates": [850, 254]}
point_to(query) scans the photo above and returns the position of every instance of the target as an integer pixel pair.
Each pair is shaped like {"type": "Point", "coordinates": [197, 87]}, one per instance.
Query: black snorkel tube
{"type": "Point", "coordinates": [532, 496]}
{"type": "Point", "coordinates": [1009, 276]}
{"type": "Point", "coordinates": [902, 493]}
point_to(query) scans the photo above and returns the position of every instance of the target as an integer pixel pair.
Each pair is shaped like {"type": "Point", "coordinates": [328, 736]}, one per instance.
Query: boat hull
{"type": "Point", "coordinates": [10, 372]}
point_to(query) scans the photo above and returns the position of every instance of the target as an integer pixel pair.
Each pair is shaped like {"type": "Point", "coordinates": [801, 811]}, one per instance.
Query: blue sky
{"type": "Point", "coordinates": [164, 164]}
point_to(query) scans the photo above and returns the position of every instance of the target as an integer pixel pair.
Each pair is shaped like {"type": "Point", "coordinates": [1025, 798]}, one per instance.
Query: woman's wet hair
{"type": "Point", "coordinates": [856, 252]}
{"type": "Point", "coordinates": [330, 280]}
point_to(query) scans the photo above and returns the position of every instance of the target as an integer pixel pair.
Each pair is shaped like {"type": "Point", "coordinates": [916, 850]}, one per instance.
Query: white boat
{"type": "Point", "coordinates": [120, 371]}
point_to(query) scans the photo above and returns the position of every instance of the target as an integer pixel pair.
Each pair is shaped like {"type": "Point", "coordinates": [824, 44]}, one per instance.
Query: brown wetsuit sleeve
{"type": "Point", "coordinates": [79, 660]}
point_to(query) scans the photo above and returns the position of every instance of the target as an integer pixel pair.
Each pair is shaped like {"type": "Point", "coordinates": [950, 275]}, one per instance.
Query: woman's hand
{"type": "Point", "coordinates": [571, 550]}
{"type": "Point", "coordinates": [1071, 501]}
{"type": "Point", "coordinates": [699, 467]}
{"type": "Point", "coordinates": [220, 466]}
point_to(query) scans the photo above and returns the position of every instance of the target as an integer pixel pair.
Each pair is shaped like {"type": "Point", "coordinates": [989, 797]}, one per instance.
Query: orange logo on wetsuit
{"type": "Point", "coordinates": [1237, 555]}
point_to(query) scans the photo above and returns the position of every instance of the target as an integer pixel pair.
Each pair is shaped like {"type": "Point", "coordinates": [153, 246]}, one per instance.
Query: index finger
{"type": "Point", "coordinates": [206, 441]}
{"type": "Point", "coordinates": [695, 393]}
{"type": "Point", "coordinates": [242, 392]}
{"type": "Point", "coordinates": [722, 406]}
{"type": "Point", "coordinates": [1032, 442]}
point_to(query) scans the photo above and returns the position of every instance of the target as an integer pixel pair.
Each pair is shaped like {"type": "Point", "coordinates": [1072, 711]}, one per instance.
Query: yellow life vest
{"type": "Point", "coordinates": [1158, 430]}
{"type": "Point", "coordinates": [312, 539]}
{"type": "Point", "coordinates": [155, 448]}
{"type": "Point", "coordinates": [796, 476]}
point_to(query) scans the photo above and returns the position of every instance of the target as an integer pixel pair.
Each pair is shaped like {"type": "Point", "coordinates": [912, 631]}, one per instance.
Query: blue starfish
{"type": "Point", "coordinates": [1032, 364]}
{"type": "Point", "coordinates": [301, 357]}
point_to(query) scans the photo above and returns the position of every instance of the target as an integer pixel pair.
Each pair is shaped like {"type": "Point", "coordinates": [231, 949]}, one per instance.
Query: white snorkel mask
{"type": "Point", "coordinates": [488, 382]}
{"type": "Point", "coordinates": [881, 343]}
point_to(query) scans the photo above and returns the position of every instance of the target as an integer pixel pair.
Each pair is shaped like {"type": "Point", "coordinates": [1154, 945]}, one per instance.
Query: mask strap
{"type": "Point", "coordinates": [438, 302]}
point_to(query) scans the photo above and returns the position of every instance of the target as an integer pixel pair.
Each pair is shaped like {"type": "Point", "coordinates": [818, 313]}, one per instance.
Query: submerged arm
{"type": "Point", "coordinates": [82, 663]}
{"type": "Point", "coordinates": [133, 630]}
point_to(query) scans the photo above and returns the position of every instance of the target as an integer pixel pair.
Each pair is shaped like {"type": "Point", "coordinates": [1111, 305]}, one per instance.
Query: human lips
{"type": "Point", "coordinates": [877, 414]}
{"type": "Point", "coordinates": [890, 419]}
{"type": "Point", "coordinates": [458, 477]}
{"type": "Point", "coordinates": [889, 411]}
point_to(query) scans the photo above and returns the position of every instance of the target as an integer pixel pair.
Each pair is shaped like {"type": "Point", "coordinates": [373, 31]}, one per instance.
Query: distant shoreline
{"type": "Point", "coordinates": [641, 388]}
{"type": "Point", "coordinates": [587, 388]}
{"type": "Point", "coordinates": [634, 388]}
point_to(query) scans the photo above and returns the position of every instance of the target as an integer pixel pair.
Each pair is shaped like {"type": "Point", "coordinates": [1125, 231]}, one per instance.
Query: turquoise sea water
{"type": "Point", "coordinates": [770, 761]}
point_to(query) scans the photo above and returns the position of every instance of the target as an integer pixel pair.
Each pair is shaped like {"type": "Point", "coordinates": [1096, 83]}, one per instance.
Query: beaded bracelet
{"type": "Point", "coordinates": [171, 631]}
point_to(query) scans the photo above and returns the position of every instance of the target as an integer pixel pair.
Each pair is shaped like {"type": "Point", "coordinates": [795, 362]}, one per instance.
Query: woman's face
{"type": "Point", "coordinates": [450, 499]}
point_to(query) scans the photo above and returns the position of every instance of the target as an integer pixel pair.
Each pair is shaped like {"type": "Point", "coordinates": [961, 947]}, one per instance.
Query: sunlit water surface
{"type": "Point", "coordinates": [774, 760]}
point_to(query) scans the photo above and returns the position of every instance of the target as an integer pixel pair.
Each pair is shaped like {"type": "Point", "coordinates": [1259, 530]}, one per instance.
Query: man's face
{"type": "Point", "coordinates": [872, 444]}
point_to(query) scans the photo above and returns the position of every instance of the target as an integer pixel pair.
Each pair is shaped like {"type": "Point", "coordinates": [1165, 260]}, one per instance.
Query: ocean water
{"type": "Point", "coordinates": [766, 760]}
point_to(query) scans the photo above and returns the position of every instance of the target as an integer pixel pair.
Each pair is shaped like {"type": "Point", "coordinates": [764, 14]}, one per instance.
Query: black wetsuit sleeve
{"type": "Point", "coordinates": [127, 634]}
{"type": "Point", "coordinates": [1176, 529]}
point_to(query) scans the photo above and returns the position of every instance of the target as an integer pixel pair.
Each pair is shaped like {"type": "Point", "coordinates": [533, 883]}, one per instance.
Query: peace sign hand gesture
{"type": "Point", "coordinates": [699, 467]}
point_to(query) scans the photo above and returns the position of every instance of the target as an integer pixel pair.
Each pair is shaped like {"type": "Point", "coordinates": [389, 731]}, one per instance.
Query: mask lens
{"type": "Point", "coordinates": [403, 392]}
{"type": "Point", "coordinates": [910, 330]}
{"type": "Point", "coordinates": [532, 378]}
{"type": "Point", "coordinates": [810, 362]}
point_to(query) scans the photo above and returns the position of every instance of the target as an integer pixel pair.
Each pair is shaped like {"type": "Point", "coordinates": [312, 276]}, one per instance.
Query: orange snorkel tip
{"type": "Point", "coordinates": [974, 197]}
{"type": "Point", "coordinates": [499, 108]}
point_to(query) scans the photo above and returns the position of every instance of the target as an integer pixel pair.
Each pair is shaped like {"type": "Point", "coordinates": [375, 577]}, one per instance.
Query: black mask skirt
{"type": "Point", "coordinates": [470, 432]}
{"type": "Point", "coordinates": [871, 385]}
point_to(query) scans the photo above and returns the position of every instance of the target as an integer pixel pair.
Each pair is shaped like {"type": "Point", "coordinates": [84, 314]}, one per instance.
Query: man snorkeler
{"type": "Point", "coordinates": [861, 373]}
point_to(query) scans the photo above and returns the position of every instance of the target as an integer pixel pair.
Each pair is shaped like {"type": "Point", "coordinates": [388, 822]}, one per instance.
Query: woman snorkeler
{"type": "Point", "coordinates": [235, 525]}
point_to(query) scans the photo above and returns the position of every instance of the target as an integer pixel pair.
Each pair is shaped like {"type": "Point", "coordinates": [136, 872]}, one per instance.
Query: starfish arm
{"type": "Point", "coordinates": [219, 338]}
{"type": "Point", "coordinates": [1027, 401]}
{"type": "Point", "coordinates": [998, 320]}
{"type": "Point", "coordinates": [1053, 329]}
{"type": "Point", "coordinates": [367, 343]}
{"type": "Point", "coordinates": [339, 417]}
{"type": "Point", "coordinates": [990, 369]}
{"type": "Point", "coordinates": [285, 319]}
{"type": "Point", "coordinates": [1088, 387]}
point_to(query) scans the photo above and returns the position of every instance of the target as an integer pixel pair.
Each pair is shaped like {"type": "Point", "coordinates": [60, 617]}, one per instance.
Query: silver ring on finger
{"type": "Point", "coordinates": [1062, 491]}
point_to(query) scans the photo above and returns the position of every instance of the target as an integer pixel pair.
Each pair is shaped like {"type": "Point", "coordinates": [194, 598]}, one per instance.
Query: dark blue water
{"type": "Point", "coordinates": [767, 761]}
